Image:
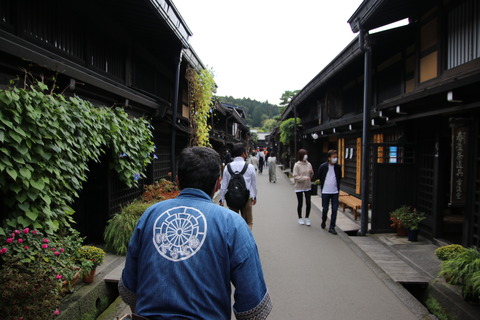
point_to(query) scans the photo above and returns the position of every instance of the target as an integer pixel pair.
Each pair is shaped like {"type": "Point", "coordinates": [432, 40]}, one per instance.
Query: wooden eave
{"type": "Point", "coordinates": [347, 55]}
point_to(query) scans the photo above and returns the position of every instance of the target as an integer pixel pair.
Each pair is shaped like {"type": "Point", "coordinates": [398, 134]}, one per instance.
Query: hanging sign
{"type": "Point", "coordinates": [459, 166]}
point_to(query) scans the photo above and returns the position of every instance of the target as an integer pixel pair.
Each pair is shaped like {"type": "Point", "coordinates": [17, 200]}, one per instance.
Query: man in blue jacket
{"type": "Point", "coordinates": [330, 174]}
{"type": "Point", "coordinates": [185, 253]}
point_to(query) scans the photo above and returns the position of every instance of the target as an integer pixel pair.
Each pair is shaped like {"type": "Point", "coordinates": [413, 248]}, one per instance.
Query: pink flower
{"type": "Point", "coordinates": [34, 231]}
{"type": "Point", "coordinates": [56, 253]}
{"type": "Point", "coordinates": [62, 250]}
{"type": "Point", "coordinates": [26, 230]}
{"type": "Point", "coordinates": [58, 276]}
{"type": "Point", "coordinates": [16, 232]}
{"type": "Point", "coordinates": [9, 240]}
{"type": "Point", "coordinates": [26, 247]}
{"type": "Point", "coordinates": [13, 235]}
{"type": "Point", "coordinates": [44, 246]}
{"type": "Point", "coordinates": [4, 250]}
{"type": "Point", "coordinates": [20, 240]}
{"type": "Point", "coordinates": [56, 312]}
{"type": "Point", "coordinates": [46, 240]}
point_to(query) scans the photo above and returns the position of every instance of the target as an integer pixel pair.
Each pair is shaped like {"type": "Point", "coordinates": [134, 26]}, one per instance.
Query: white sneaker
{"type": "Point", "coordinates": [307, 222]}
{"type": "Point", "coordinates": [301, 221]}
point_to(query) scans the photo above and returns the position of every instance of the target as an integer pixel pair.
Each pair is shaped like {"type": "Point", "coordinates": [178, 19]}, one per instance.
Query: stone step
{"type": "Point", "coordinates": [389, 262]}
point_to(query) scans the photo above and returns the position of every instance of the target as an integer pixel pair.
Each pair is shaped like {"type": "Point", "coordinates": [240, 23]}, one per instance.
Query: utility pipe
{"type": "Point", "coordinates": [366, 130]}
{"type": "Point", "coordinates": [174, 117]}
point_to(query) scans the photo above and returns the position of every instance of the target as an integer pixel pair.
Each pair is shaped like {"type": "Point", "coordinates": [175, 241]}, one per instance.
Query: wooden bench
{"type": "Point", "coordinates": [351, 202]}
{"type": "Point", "coordinates": [342, 193]}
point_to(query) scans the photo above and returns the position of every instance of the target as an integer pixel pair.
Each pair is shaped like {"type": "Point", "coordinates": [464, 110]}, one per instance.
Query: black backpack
{"type": "Point", "coordinates": [237, 192]}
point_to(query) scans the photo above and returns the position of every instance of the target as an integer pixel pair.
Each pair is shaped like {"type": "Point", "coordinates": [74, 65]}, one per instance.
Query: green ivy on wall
{"type": "Point", "coordinates": [287, 129]}
{"type": "Point", "coordinates": [201, 87]}
{"type": "Point", "coordinates": [47, 141]}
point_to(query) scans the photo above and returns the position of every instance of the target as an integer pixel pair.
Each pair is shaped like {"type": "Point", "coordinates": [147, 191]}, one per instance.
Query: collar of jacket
{"type": "Point", "coordinates": [189, 193]}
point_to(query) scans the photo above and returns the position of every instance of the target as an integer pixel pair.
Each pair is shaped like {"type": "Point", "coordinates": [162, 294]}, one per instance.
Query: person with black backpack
{"type": "Point", "coordinates": [239, 185]}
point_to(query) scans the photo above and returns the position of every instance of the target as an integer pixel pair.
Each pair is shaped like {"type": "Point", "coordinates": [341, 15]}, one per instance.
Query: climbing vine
{"type": "Point", "coordinates": [287, 130]}
{"type": "Point", "coordinates": [201, 88]}
{"type": "Point", "coordinates": [47, 141]}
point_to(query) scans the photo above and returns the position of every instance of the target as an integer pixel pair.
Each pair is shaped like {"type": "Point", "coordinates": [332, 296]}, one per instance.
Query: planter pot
{"type": "Point", "coordinates": [401, 231]}
{"type": "Point", "coordinates": [413, 235]}
{"type": "Point", "coordinates": [89, 278]}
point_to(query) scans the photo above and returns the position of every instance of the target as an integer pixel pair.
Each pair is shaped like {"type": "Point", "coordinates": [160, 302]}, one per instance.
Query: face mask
{"type": "Point", "coordinates": [305, 157]}
{"type": "Point", "coordinates": [334, 160]}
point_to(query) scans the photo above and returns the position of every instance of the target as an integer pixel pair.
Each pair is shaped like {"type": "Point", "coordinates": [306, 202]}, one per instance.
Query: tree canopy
{"type": "Point", "coordinates": [256, 112]}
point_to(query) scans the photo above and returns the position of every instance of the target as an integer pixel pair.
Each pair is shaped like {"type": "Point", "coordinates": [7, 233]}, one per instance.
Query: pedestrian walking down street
{"type": "Point", "coordinates": [186, 254]}
{"type": "Point", "coordinates": [253, 160]}
{"type": "Point", "coordinates": [302, 175]}
{"type": "Point", "coordinates": [272, 167]}
{"type": "Point", "coordinates": [330, 174]}
{"type": "Point", "coordinates": [261, 163]}
{"type": "Point", "coordinates": [240, 154]}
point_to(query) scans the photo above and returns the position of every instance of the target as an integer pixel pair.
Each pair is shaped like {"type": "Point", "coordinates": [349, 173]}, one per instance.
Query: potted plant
{"type": "Point", "coordinates": [396, 217]}
{"type": "Point", "coordinates": [90, 258]}
{"type": "Point", "coordinates": [410, 221]}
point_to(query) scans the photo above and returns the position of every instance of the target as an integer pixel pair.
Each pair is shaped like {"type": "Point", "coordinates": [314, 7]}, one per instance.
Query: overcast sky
{"type": "Point", "coordinates": [260, 48]}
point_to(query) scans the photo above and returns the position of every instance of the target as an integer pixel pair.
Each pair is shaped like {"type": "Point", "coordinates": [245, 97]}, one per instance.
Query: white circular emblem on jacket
{"type": "Point", "coordinates": [179, 233]}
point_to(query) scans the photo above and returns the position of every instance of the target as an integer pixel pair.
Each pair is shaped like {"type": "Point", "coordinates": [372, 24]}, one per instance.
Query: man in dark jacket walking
{"type": "Point", "coordinates": [330, 174]}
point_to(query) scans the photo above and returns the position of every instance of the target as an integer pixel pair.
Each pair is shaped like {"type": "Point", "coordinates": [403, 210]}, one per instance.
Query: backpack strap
{"type": "Point", "coordinates": [245, 167]}
{"type": "Point", "coordinates": [229, 168]}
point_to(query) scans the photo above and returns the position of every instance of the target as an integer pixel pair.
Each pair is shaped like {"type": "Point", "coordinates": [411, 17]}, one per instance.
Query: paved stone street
{"type": "Point", "coordinates": [312, 274]}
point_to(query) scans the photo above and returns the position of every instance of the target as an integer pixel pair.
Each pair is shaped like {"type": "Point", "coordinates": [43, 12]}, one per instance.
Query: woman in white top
{"type": "Point", "coordinates": [272, 167]}
{"type": "Point", "coordinates": [302, 175]}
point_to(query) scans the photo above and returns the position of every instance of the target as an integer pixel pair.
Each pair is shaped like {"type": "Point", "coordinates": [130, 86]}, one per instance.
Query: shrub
{"type": "Point", "coordinates": [32, 268]}
{"type": "Point", "coordinates": [27, 294]}
{"type": "Point", "coordinates": [449, 252]}
{"type": "Point", "coordinates": [120, 228]}
{"type": "Point", "coordinates": [463, 269]}
{"type": "Point", "coordinates": [159, 191]}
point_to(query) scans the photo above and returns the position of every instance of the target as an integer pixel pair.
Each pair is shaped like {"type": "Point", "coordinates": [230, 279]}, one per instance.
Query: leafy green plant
{"type": "Point", "coordinates": [406, 217]}
{"type": "Point", "coordinates": [47, 141]}
{"type": "Point", "coordinates": [437, 309]}
{"type": "Point", "coordinates": [475, 283]}
{"type": "Point", "coordinates": [161, 190]}
{"type": "Point", "coordinates": [449, 252]}
{"type": "Point", "coordinates": [462, 269]}
{"type": "Point", "coordinates": [120, 228]}
{"type": "Point", "coordinates": [93, 254]}
{"type": "Point", "coordinates": [28, 295]}
{"type": "Point", "coordinates": [287, 129]}
{"type": "Point", "coordinates": [201, 88]}
{"type": "Point", "coordinates": [32, 269]}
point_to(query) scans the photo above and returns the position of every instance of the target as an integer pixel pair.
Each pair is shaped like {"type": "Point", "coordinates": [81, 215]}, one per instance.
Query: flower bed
{"type": "Point", "coordinates": [33, 270]}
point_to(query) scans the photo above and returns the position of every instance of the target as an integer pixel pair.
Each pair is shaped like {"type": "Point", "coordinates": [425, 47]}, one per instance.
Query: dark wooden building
{"type": "Point", "coordinates": [228, 127]}
{"type": "Point", "coordinates": [425, 113]}
{"type": "Point", "coordinates": [130, 53]}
